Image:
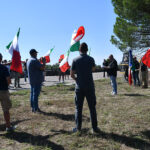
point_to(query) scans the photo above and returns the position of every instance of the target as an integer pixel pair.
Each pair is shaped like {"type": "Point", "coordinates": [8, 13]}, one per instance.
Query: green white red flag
{"type": "Point", "coordinates": [13, 49]}
{"type": "Point", "coordinates": [76, 37]}
{"type": "Point", "coordinates": [64, 65]}
{"type": "Point", "coordinates": [75, 44]}
{"type": "Point", "coordinates": [47, 55]}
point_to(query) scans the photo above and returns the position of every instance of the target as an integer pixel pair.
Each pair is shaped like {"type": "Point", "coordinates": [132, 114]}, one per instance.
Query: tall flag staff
{"type": "Point", "coordinates": [13, 49]}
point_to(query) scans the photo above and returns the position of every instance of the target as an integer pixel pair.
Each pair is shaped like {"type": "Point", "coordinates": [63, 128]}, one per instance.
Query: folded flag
{"type": "Point", "coordinates": [130, 66]}
{"type": "Point", "coordinates": [64, 65]}
{"type": "Point", "coordinates": [76, 37]}
{"type": "Point", "coordinates": [146, 58]}
{"type": "Point", "coordinates": [13, 49]}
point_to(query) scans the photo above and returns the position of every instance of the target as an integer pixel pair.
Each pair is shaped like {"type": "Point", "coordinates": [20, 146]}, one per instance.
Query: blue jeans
{"type": "Point", "coordinates": [35, 92]}
{"type": "Point", "coordinates": [113, 84]}
{"type": "Point", "coordinates": [91, 99]}
{"type": "Point", "coordinates": [25, 76]}
{"type": "Point", "coordinates": [136, 77]}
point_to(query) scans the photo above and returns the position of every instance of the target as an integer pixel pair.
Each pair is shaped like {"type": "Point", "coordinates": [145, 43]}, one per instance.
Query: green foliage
{"type": "Point", "coordinates": [132, 29]}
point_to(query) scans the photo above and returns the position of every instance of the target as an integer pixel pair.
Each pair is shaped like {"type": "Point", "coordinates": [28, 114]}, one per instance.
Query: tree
{"type": "Point", "coordinates": [132, 27]}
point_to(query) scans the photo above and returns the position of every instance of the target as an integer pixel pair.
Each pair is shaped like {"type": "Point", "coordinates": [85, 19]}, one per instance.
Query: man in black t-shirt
{"type": "Point", "coordinates": [4, 94]}
{"type": "Point", "coordinates": [83, 66]}
{"type": "Point", "coordinates": [112, 72]}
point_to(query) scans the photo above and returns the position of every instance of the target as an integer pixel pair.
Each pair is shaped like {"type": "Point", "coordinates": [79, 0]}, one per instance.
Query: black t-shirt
{"type": "Point", "coordinates": [83, 65]}
{"type": "Point", "coordinates": [3, 75]}
{"type": "Point", "coordinates": [143, 67]}
{"type": "Point", "coordinates": [112, 71]}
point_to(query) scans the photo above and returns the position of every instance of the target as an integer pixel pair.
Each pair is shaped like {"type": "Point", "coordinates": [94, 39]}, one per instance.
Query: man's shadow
{"type": "Point", "coordinates": [3, 126]}
{"type": "Point", "coordinates": [39, 140]}
{"type": "Point", "coordinates": [66, 117]}
{"type": "Point", "coordinates": [123, 139]}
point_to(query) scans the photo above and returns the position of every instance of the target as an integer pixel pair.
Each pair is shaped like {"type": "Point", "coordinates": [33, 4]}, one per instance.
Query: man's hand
{"type": "Point", "coordinates": [72, 74]}
{"type": "Point", "coordinates": [43, 60]}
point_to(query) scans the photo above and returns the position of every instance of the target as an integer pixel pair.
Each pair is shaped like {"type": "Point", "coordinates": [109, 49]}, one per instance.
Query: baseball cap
{"type": "Point", "coordinates": [33, 51]}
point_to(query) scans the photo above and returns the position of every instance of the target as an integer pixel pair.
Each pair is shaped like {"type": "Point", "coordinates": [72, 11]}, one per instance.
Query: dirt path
{"type": "Point", "coordinates": [53, 80]}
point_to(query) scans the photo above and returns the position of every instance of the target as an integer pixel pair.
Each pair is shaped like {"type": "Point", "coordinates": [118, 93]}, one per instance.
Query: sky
{"type": "Point", "coordinates": [47, 23]}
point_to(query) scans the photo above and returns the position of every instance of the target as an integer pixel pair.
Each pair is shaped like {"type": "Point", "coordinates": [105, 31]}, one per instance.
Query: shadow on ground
{"type": "Point", "coordinates": [23, 137]}
{"type": "Point", "coordinates": [134, 94]}
{"type": "Point", "coordinates": [3, 127]}
{"type": "Point", "coordinates": [66, 117]}
{"type": "Point", "coordinates": [122, 139]}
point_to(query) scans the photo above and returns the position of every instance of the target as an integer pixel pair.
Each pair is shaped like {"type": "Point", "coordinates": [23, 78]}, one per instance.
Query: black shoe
{"type": "Point", "coordinates": [96, 131]}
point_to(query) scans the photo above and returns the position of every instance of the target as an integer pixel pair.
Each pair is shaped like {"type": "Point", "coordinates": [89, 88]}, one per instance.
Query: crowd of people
{"type": "Point", "coordinates": [139, 73]}
{"type": "Point", "coordinates": [80, 71]}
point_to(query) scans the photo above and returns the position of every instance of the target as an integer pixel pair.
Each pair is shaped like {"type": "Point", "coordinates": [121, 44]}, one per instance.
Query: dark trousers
{"type": "Point", "coordinates": [35, 92]}
{"type": "Point", "coordinates": [136, 77]}
{"type": "Point", "coordinates": [91, 99]}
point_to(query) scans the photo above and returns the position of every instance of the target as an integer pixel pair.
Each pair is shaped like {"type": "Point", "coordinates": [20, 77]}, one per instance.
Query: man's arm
{"type": "Point", "coordinates": [8, 80]}
{"type": "Point", "coordinates": [93, 68]}
{"type": "Point", "coordinates": [72, 74]}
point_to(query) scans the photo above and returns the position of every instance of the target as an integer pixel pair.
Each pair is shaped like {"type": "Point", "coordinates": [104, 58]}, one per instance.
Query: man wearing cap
{"type": "Point", "coordinates": [4, 94]}
{"type": "Point", "coordinates": [83, 67]}
{"type": "Point", "coordinates": [35, 74]}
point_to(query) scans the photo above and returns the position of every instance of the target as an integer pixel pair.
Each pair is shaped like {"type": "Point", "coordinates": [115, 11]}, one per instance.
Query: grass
{"type": "Point", "coordinates": [123, 119]}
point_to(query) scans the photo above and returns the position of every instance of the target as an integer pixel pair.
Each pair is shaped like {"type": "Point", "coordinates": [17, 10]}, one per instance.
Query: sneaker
{"type": "Point", "coordinates": [113, 93]}
{"type": "Point", "coordinates": [75, 130]}
{"type": "Point", "coordinates": [11, 129]}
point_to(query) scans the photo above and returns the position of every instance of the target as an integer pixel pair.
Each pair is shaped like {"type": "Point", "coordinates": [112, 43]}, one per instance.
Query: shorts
{"type": "Point", "coordinates": [5, 100]}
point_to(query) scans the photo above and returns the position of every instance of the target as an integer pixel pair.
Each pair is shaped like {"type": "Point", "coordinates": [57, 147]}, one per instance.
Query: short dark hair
{"type": "Point", "coordinates": [83, 48]}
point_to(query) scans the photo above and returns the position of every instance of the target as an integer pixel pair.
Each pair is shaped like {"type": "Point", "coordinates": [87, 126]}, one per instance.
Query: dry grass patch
{"type": "Point", "coordinates": [123, 119]}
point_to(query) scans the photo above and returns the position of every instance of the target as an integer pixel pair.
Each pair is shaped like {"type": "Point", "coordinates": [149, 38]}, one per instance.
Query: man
{"type": "Point", "coordinates": [144, 75]}
{"type": "Point", "coordinates": [60, 73]}
{"type": "Point", "coordinates": [25, 70]}
{"type": "Point", "coordinates": [35, 74]}
{"type": "Point", "coordinates": [112, 72]}
{"type": "Point", "coordinates": [105, 63]}
{"type": "Point", "coordinates": [16, 79]}
{"type": "Point", "coordinates": [4, 94]}
{"type": "Point", "coordinates": [83, 67]}
{"type": "Point", "coordinates": [135, 71]}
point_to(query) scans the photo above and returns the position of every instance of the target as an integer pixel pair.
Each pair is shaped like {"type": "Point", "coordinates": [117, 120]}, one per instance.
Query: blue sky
{"type": "Point", "coordinates": [45, 23]}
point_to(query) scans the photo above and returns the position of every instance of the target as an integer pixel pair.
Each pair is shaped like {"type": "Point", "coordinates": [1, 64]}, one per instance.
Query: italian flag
{"type": "Point", "coordinates": [61, 58]}
{"type": "Point", "coordinates": [64, 65]}
{"type": "Point", "coordinates": [76, 37]}
{"type": "Point", "coordinates": [47, 55]}
{"type": "Point", "coordinates": [13, 49]}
